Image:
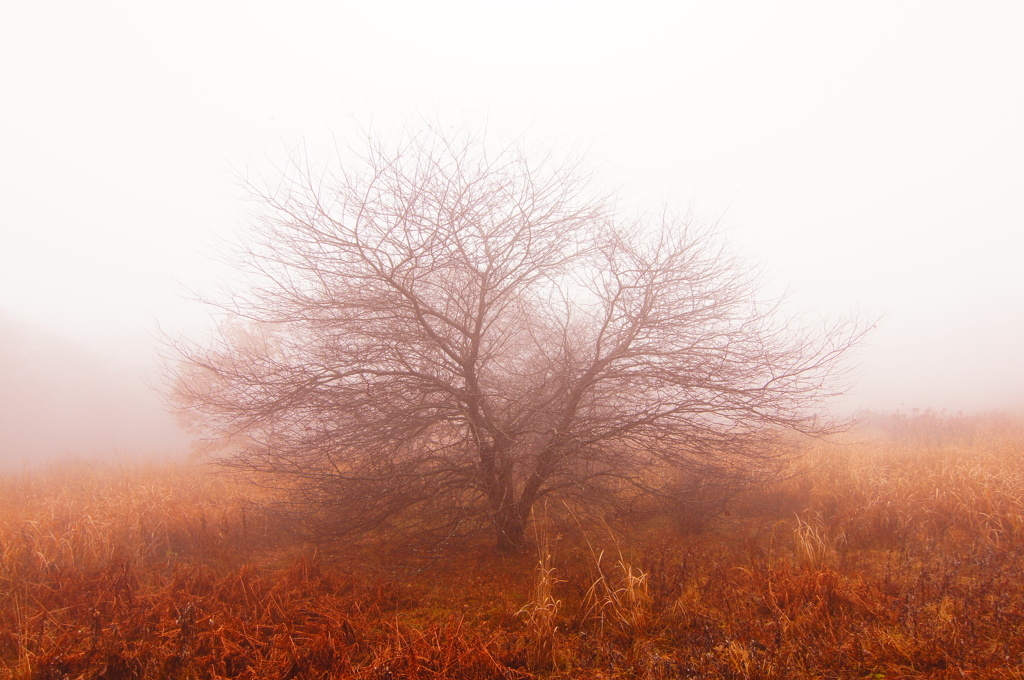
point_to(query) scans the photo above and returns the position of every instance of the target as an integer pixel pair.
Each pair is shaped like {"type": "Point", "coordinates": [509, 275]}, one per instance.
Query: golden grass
{"type": "Point", "coordinates": [899, 556]}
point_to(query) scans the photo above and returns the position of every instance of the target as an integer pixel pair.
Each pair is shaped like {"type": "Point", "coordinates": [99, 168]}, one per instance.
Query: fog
{"type": "Point", "coordinates": [61, 400]}
{"type": "Point", "coordinates": [867, 157]}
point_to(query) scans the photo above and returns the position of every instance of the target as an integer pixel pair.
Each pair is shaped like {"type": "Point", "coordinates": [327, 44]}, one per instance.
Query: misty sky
{"type": "Point", "coordinates": [869, 155]}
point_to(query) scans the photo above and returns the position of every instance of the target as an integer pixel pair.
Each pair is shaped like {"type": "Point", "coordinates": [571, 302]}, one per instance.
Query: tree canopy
{"type": "Point", "coordinates": [438, 335]}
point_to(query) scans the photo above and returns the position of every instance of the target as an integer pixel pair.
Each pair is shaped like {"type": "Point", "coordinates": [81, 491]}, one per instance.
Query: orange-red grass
{"type": "Point", "coordinates": [900, 556]}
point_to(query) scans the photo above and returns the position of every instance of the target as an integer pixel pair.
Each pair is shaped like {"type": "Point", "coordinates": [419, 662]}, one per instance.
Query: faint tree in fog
{"type": "Point", "coordinates": [437, 337]}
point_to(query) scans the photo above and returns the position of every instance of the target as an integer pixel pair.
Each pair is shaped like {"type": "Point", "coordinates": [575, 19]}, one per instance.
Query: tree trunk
{"type": "Point", "coordinates": [510, 524]}
{"type": "Point", "coordinates": [507, 515]}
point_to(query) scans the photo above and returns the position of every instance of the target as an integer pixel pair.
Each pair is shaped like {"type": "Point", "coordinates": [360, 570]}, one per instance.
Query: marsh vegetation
{"type": "Point", "coordinates": [897, 554]}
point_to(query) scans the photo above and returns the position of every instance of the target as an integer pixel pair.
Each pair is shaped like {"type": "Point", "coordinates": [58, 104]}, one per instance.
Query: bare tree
{"type": "Point", "coordinates": [440, 337]}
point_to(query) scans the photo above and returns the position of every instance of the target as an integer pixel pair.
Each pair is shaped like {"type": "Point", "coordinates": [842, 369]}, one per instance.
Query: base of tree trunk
{"type": "Point", "coordinates": [512, 540]}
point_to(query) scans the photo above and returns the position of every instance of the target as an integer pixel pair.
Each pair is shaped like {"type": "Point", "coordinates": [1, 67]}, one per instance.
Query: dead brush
{"type": "Point", "coordinates": [811, 545]}
{"type": "Point", "coordinates": [623, 600]}
{"type": "Point", "coordinates": [980, 494]}
{"type": "Point", "coordinates": [541, 615]}
{"type": "Point", "coordinates": [442, 650]}
{"type": "Point", "coordinates": [903, 564]}
{"type": "Point", "coordinates": [739, 659]}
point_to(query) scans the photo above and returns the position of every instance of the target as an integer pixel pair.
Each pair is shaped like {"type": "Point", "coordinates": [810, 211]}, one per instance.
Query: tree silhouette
{"type": "Point", "coordinates": [437, 337]}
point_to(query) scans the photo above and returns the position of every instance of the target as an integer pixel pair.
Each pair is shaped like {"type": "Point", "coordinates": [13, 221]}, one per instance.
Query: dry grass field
{"type": "Point", "coordinates": [898, 555]}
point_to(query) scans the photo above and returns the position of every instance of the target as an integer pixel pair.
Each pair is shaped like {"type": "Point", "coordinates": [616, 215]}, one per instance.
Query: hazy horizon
{"type": "Point", "coordinates": [868, 158]}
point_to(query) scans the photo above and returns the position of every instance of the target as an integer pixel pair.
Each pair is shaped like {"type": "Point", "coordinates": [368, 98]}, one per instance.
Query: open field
{"type": "Point", "coordinates": [897, 556]}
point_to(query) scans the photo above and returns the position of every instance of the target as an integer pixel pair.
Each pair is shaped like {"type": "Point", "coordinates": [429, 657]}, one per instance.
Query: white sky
{"type": "Point", "coordinates": [869, 154]}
